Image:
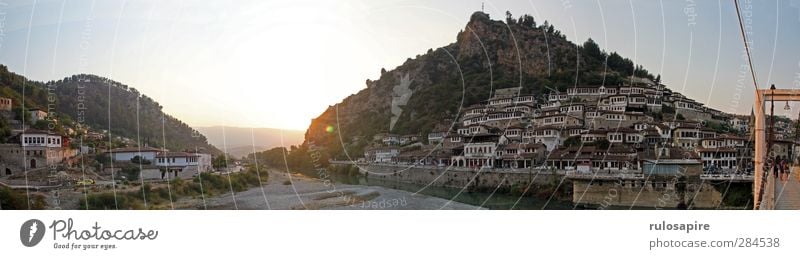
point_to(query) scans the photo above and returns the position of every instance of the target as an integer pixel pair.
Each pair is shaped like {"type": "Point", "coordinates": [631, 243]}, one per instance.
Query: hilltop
{"type": "Point", "coordinates": [433, 88]}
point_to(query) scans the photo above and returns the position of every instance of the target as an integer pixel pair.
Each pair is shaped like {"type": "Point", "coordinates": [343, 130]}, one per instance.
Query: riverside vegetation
{"type": "Point", "coordinates": [17, 200]}
{"type": "Point", "coordinates": [160, 196]}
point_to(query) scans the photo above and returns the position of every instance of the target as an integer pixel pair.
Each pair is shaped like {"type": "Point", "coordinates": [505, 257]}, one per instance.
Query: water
{"type": "Point", "coordinates": [496, 201]}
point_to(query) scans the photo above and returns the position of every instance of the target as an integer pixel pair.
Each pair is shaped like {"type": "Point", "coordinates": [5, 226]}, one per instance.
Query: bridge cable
{"type": "Point", "coordinates": [755, 84]}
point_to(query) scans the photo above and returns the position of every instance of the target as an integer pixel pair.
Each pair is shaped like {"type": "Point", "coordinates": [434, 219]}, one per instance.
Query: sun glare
{"type": "Point", "coordinates": [288, 72]}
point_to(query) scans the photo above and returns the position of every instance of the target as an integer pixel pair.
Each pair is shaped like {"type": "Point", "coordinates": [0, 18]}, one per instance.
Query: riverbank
{"type": "Point", "coordinates": [296, 191]}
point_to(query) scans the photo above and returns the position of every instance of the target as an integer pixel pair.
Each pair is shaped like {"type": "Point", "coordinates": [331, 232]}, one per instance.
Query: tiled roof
{"type": "Point", "coordinates": [134, 149]}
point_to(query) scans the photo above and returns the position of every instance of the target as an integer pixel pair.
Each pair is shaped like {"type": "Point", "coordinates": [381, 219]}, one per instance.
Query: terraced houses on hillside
{"type": "Point", "coordinates": [587, 128]}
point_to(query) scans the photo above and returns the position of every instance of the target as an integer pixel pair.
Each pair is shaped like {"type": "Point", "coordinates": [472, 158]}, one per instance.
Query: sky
{"type": "Point", "coordinates": [278, 64]}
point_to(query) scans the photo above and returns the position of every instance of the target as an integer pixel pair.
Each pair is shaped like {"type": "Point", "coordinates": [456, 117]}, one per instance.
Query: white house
{"type": "Point", "coordinates": [480, 154]}
{"type": "Point", "coordinates": [436, 137]}
{"type": "Point", "coordinates": [386, 154]}
{"type": "Point", "coordinates": [36, 115]}
{"type": "Point", "coordinates": [204, 162]}
{"type": "Point", "coordinates": [128, 153]}
{"type": "Point", "coordinates": [40, 138]}
{"type": "Point", "coordinates": [175, 159]}
{"type": "Point", "coordinates": [549, 136]}
{"type": "Point", "coordinates": [183, 164]}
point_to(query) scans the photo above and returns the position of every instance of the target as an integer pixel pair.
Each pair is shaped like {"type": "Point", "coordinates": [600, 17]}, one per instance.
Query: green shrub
{"type": "Point", "coordinates": [17, 200]}
{"type": "Point", "coordinates": [206, 183]}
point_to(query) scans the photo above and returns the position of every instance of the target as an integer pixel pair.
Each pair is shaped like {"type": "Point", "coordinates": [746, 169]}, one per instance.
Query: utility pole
{"type": "Point", "coordinates": [770, 135]}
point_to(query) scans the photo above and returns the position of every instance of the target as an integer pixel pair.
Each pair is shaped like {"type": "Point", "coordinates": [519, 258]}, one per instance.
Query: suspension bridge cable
{"type": "Point", "coordinates": [746, 44]}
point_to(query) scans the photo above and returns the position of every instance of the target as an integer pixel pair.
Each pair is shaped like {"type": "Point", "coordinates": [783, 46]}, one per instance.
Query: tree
{"type": "Point", "coordinates": [620, 64]}
{"type": "Point", "coordinates": [220, 161]}
{"type": "Point", "coordinates": [591, 49]}
{"type": "Point", "coordinates": [41, 125]}
{"type": "Point", "coordinates": [527, 21]}
{"type": "Point", "coordinates": [131, 173]}
{"type": "Point", "coordinates": [21, 113]}
{"type": "Point", "coordinates": [573, 141]}
{"type": "Point", "coordinates": [680, 117]}
{"type": "Point", "coordinates": [640, 71]}
{"type": "Point", "coordinates": [5, 130]}
{"type": "Point", "coordinates": [509, 18]}
{"type": "Point", "coordinates": [140, 160]}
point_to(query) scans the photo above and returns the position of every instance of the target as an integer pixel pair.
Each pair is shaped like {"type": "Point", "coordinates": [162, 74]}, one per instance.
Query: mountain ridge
{"type": "Point", "coordinates": [89, 100]}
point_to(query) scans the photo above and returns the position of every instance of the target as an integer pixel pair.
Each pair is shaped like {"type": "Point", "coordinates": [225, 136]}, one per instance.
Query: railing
{"type": "Point", "coordinates": [600, 176]}
{"type": "Point", "coordinates": [537, 170]}
{"type": "Point", "coordinates": [767, 192]}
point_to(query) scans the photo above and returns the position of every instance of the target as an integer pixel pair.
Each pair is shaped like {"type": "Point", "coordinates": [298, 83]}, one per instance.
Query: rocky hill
{"type": "Point", "coordinates": [88, 99]}
{"type": "Point", "coordinates": [433, 87]}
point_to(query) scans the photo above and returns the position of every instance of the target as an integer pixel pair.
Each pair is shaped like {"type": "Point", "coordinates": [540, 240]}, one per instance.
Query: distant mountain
{"type": "Point", "coordinates": [243, 151]}
{"type": "Point", "coordinates": [240, 141]}
{"type": "Point", "coordinates": [89, 99]}
{"type": "Point", "coordinates": [432, 88]}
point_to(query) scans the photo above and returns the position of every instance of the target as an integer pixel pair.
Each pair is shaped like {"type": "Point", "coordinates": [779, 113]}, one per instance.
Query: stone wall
{"type": "Point", "coordinates": [654, 193]}
{"type": "Point", "coordinates": [460, 177]}
{"type": "Point", "coordinates": [15, 160]}
{"type": "Point", "coordinates": [693, 115]}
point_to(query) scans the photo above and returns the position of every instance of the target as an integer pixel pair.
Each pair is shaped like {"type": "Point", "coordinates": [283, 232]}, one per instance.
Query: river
{"type": "Point", "coordinates": [496, 201]}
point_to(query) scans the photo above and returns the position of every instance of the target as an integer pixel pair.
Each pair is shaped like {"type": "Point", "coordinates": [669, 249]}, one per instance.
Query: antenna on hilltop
{"type": "Point", "coordinates": [482, 7]}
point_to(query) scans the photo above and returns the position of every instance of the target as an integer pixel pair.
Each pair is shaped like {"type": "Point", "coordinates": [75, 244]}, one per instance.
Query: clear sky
{"type": "Point", "coordinates": [267, 63]}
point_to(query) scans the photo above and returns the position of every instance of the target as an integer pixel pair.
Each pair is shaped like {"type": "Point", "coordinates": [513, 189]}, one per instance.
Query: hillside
{"type": "Point", "coordinates": [430, 89]}
{"type": "Point", "coordinates": [240, 141]}
{"type": "Point", "coordinates": [88, 99]}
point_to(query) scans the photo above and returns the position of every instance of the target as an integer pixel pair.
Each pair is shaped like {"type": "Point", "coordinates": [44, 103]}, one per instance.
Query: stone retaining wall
{"type": "Point", "coordinates": [460, 178]}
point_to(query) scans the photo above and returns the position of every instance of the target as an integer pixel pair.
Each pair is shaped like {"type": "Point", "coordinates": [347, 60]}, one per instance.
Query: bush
{"type": "Point", "coordinates": [16, 200]}
{"type": "Point", "coordinates": [139, 160]}
{"type": "Point", "coordinates": [206, 183]}
{"type": "Point", "coordinates": [107, 201]}
{"type": "Point", "coordinates": [131, 173]}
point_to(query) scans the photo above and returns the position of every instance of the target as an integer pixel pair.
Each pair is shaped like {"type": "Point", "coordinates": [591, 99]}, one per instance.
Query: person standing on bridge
{"type": "Point", "coordinates": [781, 167]}
{"type": "Point", "coordinates": [775, 165]}
{"type": "Point", "coordinates": [785, 171]}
